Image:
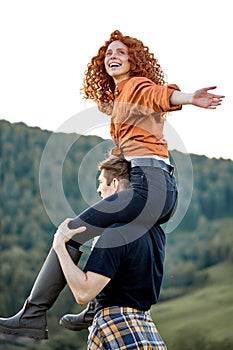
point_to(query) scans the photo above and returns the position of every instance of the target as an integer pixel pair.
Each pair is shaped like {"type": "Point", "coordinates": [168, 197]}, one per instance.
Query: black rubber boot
{"type": "Point", "coordinates": [80, 321]}
{"type": "Point", "coordinates": [31, 320]}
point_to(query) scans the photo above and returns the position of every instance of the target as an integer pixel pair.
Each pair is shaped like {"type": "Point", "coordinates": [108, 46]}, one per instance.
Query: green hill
{"type": "Point", "coordinates": [203, 318]}
{"type": "Point", "coordinates": [195, 307]}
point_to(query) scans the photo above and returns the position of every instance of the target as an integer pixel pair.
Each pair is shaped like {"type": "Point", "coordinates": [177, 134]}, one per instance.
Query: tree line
{"type": "Point", "coordinates": [37, 167]}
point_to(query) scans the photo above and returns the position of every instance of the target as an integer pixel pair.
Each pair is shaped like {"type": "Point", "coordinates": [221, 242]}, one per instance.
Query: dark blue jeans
{"type": "Point", "coordinates": [151, 200]}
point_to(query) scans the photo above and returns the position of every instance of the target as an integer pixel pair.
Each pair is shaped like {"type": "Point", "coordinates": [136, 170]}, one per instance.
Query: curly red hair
{"type": "Point", "coordinates": [99, 86]}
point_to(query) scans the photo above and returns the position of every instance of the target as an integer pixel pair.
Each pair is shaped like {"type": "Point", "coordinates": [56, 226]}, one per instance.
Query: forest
{"type": "Point", "coordinates": [46, 177]}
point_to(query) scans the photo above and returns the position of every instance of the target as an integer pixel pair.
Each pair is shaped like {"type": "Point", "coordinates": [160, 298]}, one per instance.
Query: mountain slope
{"type": "Point", "coordinates": [202, 318]}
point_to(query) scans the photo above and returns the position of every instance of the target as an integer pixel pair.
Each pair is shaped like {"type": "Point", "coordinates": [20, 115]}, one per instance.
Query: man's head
{"type": "Point", "coordinates": [114, 176]}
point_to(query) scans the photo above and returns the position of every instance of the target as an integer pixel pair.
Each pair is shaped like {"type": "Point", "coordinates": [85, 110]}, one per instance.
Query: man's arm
{"type": "Point", "coordinates": [84, 286]}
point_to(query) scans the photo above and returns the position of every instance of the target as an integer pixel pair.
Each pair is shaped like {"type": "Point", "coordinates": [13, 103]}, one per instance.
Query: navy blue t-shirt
{"type": "Point", "coordinates": [135, 268]}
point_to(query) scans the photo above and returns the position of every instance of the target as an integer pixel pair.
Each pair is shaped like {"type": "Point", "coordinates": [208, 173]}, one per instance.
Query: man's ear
{"type": "Point", "coordinates": [116, 184]}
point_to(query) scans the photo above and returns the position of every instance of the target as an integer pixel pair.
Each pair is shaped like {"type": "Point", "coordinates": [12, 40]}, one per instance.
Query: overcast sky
{"type": "Point", "coordinates": [45, 47]}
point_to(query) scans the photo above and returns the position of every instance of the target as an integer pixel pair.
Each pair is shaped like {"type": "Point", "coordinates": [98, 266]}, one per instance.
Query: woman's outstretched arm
{"type": "Point", "coordinates": [200, 98]}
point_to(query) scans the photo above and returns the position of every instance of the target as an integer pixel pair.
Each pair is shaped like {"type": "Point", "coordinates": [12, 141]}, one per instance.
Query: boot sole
{"type": "Point", "coordinates": [25, 332]}
{"type": "Point", "coordinates": [71, 327]}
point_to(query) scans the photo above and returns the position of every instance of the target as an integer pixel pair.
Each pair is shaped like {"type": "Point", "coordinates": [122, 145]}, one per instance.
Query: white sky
{"type": "Point", "coordinates": [46, 44]}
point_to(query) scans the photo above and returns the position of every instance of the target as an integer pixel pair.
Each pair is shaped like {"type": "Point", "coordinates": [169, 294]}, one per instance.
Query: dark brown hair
{"type": "Point", "coordinates": [115, 167]}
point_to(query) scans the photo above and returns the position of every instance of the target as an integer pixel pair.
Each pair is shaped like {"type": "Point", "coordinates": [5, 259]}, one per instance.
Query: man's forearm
{"type": "Point", "coordinates": [84, 286]}
{"type": "Point", "coordinates": [75, 277]}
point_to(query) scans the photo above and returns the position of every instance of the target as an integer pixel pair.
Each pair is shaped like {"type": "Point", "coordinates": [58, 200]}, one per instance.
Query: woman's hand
{"type": "Point", "coordinates": [202, 98]}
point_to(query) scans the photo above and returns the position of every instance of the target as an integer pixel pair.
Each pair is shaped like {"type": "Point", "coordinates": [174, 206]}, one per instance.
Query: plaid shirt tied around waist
{"type": "Point", "coordinates": [124, 328]}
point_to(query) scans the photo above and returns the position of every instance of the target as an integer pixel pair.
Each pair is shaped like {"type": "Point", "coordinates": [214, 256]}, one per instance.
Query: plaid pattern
{"type": "Point", "coordinates": [124, 328]}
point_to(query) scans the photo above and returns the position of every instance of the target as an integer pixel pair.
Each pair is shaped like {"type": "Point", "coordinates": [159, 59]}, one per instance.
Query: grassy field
{"type": "Point", "coordinates": [203, 318]}
{"type": "Point", "coordinates": [199, 320]}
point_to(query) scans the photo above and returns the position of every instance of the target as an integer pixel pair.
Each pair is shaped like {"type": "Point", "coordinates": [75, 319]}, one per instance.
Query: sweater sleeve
{"type": "Point", "coordinates": [152, 96]}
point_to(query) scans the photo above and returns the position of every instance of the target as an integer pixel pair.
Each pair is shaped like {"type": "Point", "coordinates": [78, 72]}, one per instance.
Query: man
{"type": "Point", "coordinates": [125, 278]}
{"type": "Point", "coordinates": [113, 178]}
{"type": "Point", "coordinates": [136, 283]}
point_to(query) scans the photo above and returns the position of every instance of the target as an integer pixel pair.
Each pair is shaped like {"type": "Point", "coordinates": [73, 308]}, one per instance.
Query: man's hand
{"type": "Point", "coordinates": [64, 234]}
{"type": "Point", "coordinates": [202, 98]}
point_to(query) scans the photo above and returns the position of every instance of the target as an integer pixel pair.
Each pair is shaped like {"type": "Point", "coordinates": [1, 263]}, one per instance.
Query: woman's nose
{"type": "Point", "coordinates": [113, 55]}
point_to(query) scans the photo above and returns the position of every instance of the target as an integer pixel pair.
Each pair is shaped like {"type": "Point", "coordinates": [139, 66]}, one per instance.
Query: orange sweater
{"type": "Point", "coordinates": [137, 120]}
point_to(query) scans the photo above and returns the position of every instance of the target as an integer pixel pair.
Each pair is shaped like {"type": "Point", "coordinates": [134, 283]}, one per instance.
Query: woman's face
{"type": "Point", "coordinates": [117, 61]}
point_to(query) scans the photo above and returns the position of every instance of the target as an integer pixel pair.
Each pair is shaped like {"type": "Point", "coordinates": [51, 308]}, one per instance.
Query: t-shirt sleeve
{"type": "Point", "coordinates": [105, 261]}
